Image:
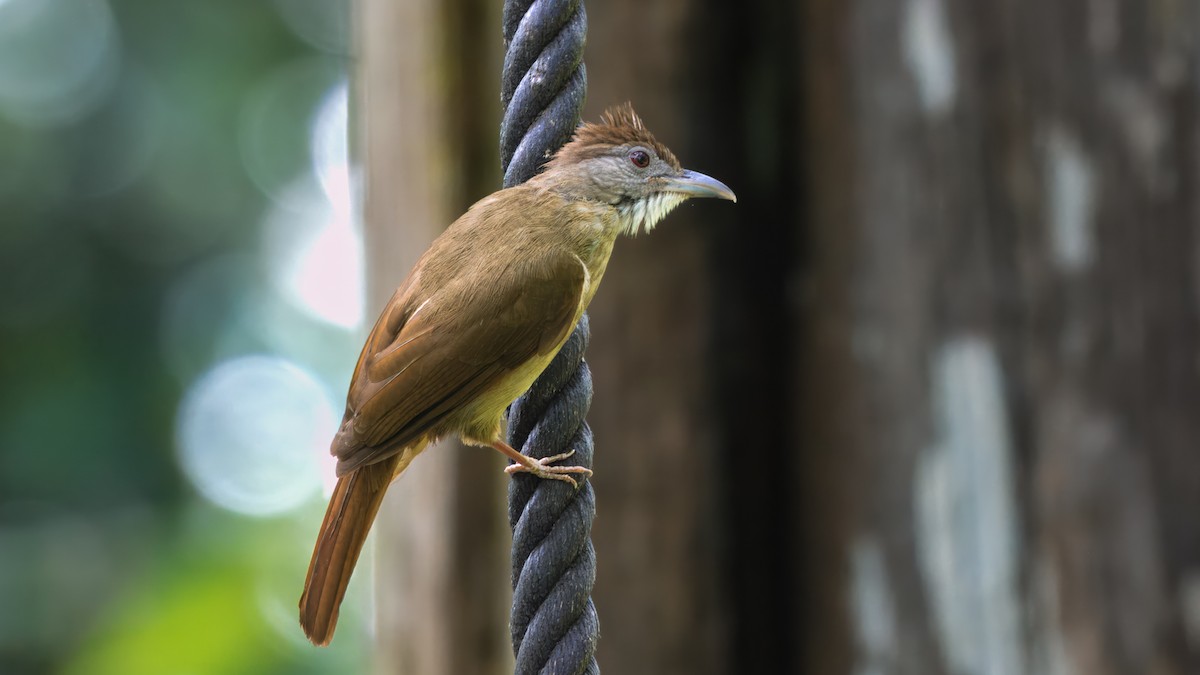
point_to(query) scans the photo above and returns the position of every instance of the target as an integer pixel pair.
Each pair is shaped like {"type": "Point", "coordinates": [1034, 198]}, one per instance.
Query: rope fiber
{"type": "Point", "coordinates": [553, 622]}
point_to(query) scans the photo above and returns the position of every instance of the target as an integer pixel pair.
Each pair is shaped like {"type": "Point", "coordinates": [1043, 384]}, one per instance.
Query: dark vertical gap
{"type": "Point", "coordinates": [471, 85]}
{"type": "Point", "coordinates": [1184, 541]}
{"type": "Point", "coordinates": [472, 48]}
{"type": "Point", "coordinates": [1167, 421]}
{"type": "Point", "coordinates": [830, 466]}
{"type": "Point", "coordinates": [745, 94]}
{"type": "Point", "coordinates": [1179, 498]}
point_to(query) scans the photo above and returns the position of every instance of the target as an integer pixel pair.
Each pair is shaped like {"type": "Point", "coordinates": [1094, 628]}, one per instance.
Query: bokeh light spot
{"type": "Point", "coordinates": [248, 434]}
{"type": "Point", "coordinates": [330, 148]}
{"type": "Point", "coordinates": [275, 126]}
{"type": "Point", "coordinates": [58, 59]}
{"type": "Point", "coordinates": [314, 254]}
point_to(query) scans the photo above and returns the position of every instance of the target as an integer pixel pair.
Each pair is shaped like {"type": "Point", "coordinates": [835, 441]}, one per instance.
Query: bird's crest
{"type": "Point", "coordinates": [619, 125]}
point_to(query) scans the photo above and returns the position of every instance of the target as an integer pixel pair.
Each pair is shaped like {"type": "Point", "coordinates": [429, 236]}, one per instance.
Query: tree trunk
{"type": "Point", "coordinates": [1002, 245]}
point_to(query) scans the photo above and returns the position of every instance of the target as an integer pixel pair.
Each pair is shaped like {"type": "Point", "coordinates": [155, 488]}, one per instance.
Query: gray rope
{"type": "Point", "coordinates": [554, 623]}
{"type": "Point", "coordinates": [543, 83]}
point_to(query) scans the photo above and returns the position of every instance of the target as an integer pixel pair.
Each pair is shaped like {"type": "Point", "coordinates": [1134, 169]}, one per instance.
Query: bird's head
{"type": "Point", "coordinates": [619, 162]}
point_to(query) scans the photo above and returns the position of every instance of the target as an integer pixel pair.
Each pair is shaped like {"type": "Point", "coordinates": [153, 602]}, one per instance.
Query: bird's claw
{"type": "Point", "coordinates": [542, 469]}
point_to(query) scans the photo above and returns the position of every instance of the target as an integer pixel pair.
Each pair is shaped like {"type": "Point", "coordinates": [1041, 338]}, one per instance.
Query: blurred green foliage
{"type": "Point", "coordinates": [115, 188]}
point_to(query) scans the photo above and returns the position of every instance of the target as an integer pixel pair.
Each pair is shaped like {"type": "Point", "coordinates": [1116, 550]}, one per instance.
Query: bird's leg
{"type": "Point", "coordinates": [540, 467]}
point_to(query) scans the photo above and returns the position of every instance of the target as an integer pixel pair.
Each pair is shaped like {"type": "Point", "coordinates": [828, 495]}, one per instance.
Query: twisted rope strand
{"type": "Point", "coordinates": [553, 622]}
{"type": "Point", "coordinates": [543, 82]}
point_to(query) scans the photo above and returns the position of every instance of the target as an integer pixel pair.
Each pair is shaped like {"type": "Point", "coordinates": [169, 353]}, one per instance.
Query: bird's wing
{"type": "Point", "coordinates": [426, 357]}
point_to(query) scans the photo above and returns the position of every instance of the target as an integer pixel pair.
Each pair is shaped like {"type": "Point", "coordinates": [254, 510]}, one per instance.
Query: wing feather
{"type": "Point", "coordinates": [419, 367]}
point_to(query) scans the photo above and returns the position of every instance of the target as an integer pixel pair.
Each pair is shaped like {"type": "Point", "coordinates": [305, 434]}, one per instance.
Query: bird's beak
{"type": "Point", "coordinates": [695, 184]}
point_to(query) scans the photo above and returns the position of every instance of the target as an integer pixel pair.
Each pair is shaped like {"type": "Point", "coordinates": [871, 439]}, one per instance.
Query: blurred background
{"type": "Point", "coordinates": [926, 400]}
{"type": "Point", "coordinates": [182, 269]}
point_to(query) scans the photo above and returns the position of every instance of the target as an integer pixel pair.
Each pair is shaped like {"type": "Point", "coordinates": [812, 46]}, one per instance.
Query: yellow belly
{"type": "Point", "coordinates": [479, 422]}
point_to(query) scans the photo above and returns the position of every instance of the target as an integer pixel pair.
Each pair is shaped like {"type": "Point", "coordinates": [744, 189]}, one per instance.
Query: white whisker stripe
{"type": "Point", "coordinates": [644, 214]}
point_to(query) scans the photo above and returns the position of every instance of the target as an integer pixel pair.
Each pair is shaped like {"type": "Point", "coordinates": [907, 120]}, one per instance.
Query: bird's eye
{"type": "Point", "coordinates": [640, 158]}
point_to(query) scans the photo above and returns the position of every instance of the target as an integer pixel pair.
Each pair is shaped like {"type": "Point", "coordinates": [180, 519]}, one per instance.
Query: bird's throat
{"type": "Point", "coordinates": [641, 215]}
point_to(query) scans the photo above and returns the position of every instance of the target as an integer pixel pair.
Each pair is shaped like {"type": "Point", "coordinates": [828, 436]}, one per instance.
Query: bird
{"type": "Point", "coordinates": [478, 318]}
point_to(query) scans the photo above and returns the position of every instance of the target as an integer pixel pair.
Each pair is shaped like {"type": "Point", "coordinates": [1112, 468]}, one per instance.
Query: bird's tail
{"type": "Point", "coordinates": [348, 519]}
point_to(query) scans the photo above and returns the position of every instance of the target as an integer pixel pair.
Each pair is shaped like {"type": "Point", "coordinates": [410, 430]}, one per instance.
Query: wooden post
{"type": "Point", "coordinates": [441, 564]}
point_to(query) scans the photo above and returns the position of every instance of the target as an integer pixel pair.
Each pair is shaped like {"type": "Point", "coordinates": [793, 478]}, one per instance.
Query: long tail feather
{"type": "Point", "coordinates": [348, 519]}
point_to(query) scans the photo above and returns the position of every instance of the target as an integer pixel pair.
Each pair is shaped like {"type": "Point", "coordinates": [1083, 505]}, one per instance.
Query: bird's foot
{"type": "Point", "coordinates": [542, 469]}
